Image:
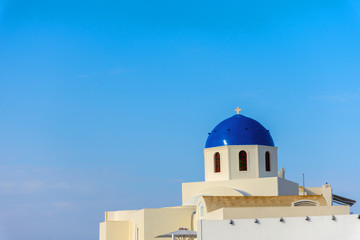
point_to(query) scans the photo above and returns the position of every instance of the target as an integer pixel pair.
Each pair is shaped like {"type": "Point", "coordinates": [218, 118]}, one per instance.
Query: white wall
{"type": "Point", "coordinates": [252, 161]}
{"type": "Point", "coordinates": [345, 227]}
{"type": "Point", "coordinates": [123, 225]}
{"type": "Point", "coordinates": [114, 230]}
{"type": "Point", "coordinates": [229, 162]}
{"type": "Point", "coordinates": [273, 161]}
{"type": "Point", "coordinates": [273, 212]}
{"type": "Point", "coordinates": [270, 186]}
{"type": "Point", "coordinates": [209, 154]}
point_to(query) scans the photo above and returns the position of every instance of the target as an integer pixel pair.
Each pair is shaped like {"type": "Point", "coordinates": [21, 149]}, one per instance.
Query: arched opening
{"type": "Point", "coordinates": [242, 161]}
{"type": "Point", "coordinates": [217, 162]}
{"type": "Point", "coordinates": [267, 161]}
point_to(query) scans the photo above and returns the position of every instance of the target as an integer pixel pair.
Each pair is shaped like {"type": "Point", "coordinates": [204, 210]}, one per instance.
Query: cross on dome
{"type": "Point", "coordinates": [237, 110]}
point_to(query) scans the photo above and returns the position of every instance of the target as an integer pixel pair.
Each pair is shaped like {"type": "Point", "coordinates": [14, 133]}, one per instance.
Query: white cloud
{"type": "Point", "coordinates": [32, 186]}
{"type": "Point", "coordinates": [26, 180]}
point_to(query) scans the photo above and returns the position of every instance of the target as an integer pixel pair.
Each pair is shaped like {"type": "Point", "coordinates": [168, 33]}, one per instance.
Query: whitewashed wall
{"type": "Point", "coordinates": [345, 227]}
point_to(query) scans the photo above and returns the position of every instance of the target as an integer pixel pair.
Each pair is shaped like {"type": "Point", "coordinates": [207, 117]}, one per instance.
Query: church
{"type": "Point", "coordinates": [244, 194]}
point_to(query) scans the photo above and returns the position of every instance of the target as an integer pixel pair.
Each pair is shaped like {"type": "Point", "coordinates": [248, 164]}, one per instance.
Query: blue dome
{"type": "Point", "coordinates": [239, 130]}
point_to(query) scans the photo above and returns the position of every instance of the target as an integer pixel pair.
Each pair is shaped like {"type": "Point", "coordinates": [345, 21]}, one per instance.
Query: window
{"type": "Point", "coordinates": [305, 203]}
{"type": "Point", "coordinates": [217, 162]}
{"type": "Point", "coordinates": [242, 161]}
{"type": "Point", "coordinates": [267, 161]}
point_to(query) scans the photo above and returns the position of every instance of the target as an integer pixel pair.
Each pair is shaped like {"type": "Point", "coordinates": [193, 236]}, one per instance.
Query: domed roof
{"type": "Point", "coordinates": [239, 130]}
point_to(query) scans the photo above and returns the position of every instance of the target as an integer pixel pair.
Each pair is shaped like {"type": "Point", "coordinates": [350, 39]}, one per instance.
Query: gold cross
{"type": "Point", "coordinates": [237, 110]}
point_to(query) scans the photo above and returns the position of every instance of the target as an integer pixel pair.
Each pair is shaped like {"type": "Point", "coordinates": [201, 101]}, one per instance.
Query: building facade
{"type": "Point", "coordinates": [242, 185]}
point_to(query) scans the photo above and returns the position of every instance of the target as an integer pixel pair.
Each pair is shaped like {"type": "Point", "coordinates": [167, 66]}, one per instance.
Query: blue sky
{"type": "Point", "coordinates": [92, 91]}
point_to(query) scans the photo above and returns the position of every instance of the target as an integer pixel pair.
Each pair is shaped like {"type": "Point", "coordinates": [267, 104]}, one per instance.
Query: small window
{"type": "Point", "coordinates": [217, 162]}
{"type": "Point", "coordinates": [267, 161]}
{"type": "Point", "coordinates": [242, 161]}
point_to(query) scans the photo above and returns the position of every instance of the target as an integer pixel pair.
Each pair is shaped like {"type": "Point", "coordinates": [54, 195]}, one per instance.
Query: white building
{"type": "Point", "coordinates": [243, 195]}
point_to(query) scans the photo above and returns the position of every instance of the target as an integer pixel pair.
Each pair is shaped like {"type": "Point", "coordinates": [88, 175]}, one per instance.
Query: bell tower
{"type": "Point", "coordinates": [237, 148]}
{"type": "Point", "coordinates": [239, 162]}
{"type": "Point", "coordinates": [240, 159]}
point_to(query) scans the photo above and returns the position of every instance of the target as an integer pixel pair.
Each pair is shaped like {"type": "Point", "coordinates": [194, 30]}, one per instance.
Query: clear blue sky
{"type": "Point", "coordinates": [106, 105]}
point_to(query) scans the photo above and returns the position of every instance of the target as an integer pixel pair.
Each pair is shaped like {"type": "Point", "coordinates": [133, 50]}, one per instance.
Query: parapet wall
{"type": "Point", "coordinates": [344, 227]}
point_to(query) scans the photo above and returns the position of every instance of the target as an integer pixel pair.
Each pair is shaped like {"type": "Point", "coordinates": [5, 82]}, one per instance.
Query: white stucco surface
{"type": "Point", "coordinates": [344, 227]}
{"type": "Point", "coordinates": [229, 162]}
{"type": "Point", "coordinates": [269, 186]}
